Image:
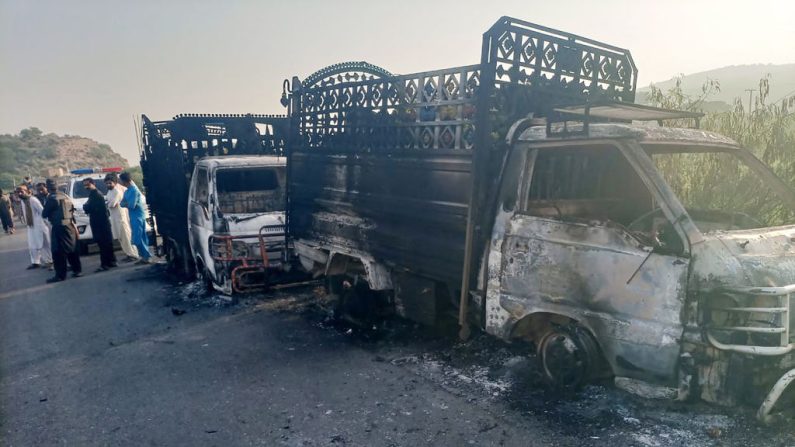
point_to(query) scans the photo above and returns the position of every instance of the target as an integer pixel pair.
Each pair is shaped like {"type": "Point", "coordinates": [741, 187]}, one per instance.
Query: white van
{"type": "Point", "coordinates": [236, 220]}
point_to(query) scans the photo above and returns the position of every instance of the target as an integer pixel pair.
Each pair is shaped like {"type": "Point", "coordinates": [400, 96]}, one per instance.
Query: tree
{"type": "Point", "coordinates": [30, 133]}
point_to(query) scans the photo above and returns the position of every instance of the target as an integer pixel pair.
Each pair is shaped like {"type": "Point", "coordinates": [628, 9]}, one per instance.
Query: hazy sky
{"type": "Point", "coordinates": [87, 67]}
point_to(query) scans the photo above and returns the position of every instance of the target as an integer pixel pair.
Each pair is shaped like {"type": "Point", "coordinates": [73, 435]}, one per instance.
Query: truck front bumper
{"type": "Point", "coordinates": [249, 259]}
{"type": "Point", "coordinates": [761, 316]}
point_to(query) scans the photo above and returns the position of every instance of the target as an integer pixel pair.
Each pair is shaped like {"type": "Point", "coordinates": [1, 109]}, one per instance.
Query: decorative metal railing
{"type": "Point", "coordinates": [352, 109]}
{"type": "Point", "coordinates": [525, 68]}
{"type": "Point", "coordinates": [527, 54]}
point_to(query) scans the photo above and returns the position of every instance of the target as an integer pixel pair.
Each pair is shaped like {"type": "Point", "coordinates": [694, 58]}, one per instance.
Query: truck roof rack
{"type": "Point", "coordinates": [611, 112]}
{"type": "Point", "coordinates": [626, 112]}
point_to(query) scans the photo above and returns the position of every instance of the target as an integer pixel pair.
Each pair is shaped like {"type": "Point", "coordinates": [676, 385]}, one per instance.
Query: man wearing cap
{"type": "Point", "coordinates": [59, 210]}
{"type": "Point", "coordinates": [38, 233]}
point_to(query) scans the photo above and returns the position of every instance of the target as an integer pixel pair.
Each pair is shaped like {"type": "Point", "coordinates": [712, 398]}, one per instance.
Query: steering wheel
{"type": "Point", "coordinates": [635, 223]}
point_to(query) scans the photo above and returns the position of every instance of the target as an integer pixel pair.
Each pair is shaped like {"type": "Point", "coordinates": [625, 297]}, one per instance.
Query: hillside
{"type": "Point", "coordinates": [34, 153]}
{"type": "Point", "coordinates": [734, 80]}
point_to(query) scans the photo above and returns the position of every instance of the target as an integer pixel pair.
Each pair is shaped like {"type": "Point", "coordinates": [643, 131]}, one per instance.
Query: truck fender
{"type": "Point", "coordinates": [377, 275]}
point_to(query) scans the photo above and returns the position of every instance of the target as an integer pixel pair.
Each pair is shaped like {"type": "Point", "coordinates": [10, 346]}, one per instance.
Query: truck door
{"type": "Point", "coordinates": [577, 247]}
{"type": "Point", "coordinates": [199, 217]}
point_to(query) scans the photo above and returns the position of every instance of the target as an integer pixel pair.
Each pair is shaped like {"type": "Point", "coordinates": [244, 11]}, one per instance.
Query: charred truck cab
{"type": "Point", "coordinates": [236, 220]}
{"type": "Point", "coordinates": [170, 151]}
{"type": "Point", "coordinates": [532, 196]}
{"type": "Point", "coordinates": [596, 258]}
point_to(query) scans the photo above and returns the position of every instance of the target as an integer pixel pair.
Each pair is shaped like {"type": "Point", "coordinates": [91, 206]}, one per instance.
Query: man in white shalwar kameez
{"type": "Point", "coordinates": [119, 220]}
{"type": "Point", "coordinates": [38, 231]}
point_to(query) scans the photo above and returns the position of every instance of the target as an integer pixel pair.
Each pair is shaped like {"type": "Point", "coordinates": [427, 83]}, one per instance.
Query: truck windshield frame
{"type": "Point", "coordinates": [774, 200]}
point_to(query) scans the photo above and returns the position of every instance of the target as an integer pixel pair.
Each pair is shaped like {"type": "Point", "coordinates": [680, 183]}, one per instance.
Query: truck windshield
{"type": "Point", "coordinates": [250, 190]}
{"type": "Point", "coordinates": [721, 190]}
{"type": "Point", "coordinates": [79, 192]}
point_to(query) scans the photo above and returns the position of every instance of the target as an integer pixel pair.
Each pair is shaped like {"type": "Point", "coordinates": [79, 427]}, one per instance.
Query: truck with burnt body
{"type": "Point", "coordinates": [215, 185]}
{"type": "Point", "coordinates": [530, 194]}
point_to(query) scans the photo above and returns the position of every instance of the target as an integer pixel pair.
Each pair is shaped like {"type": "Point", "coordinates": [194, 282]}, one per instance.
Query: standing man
{"type": "Point", "coordinates": [5, 213]}
{"type": "Point", "coordinates": [38, 232]}
{"type": "Point", "coordinates": [119, 218]}
{"type": "Point", "coordinates": [42, 194]}
{"type": "Point", "coordinates": [132, 201]}
{"type": "Point", "coordinates": [59, 210]}
{"type": "Point", "coordinates": [99, 218]}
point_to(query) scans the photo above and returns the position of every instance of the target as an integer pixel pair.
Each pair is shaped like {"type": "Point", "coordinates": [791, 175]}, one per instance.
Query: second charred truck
{"type": "Point", "coordinates": [216, 186]}
{"type": "Point", "coordinates": [529, 195]}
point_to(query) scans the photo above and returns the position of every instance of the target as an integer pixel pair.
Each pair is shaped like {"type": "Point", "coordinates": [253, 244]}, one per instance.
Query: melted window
{"type": "Point", "coordinates": [589, 184]}
{"type": "Point", "coordinates": [250, 190]}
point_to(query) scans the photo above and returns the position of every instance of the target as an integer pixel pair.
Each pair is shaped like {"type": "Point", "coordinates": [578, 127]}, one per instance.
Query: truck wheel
{"type": "Point", "coordinates": [204, 278]}
{"type": "Point", "coordinates": [569, 356]}
{"type": "Point", "coordinates": [172, 259]}
{"type": "Point", "coordinates": [355, 303]}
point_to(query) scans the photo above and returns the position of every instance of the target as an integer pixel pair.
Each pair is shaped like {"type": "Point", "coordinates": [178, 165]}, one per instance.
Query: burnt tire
{"type": "Point", "coordinates": [173, 262]}
{"type": "Point", "coordinates": [203, 276]}
{"type": "Point", "coordinates": [569, 357]}
{"type": "Point", "coordinates": [355, 303]}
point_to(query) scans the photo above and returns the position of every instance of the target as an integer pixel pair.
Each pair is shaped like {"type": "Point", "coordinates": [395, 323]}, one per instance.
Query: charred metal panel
{"type": "Point", "coordinates": [599, 275]}
{"type": "Point", "coordinates": [404, 210]}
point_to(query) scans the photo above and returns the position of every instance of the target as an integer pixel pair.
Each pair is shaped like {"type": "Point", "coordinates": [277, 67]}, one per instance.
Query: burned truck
{"type": "Point", "coordinates": [533, 197]}
{"type": "Point", "coordinates": [216, 187]}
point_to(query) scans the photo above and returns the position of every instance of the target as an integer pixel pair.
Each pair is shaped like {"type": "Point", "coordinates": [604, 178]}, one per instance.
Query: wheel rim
{"type": "Point", "coordinates": [563, 359]}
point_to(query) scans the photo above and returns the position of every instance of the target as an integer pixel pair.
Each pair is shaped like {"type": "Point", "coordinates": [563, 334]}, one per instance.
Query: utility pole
{"type": "Point", "coordinates": [750, 97]}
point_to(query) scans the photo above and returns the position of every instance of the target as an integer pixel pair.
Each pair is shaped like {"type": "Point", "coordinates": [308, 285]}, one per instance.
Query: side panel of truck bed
{"type": "Point", "coordinates": [406, 210]}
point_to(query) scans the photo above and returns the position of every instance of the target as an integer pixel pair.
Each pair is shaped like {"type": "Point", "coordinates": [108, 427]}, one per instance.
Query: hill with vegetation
{"type": "Point", "coordinates": [39, 155]}
{"type": "Point", "coordinates": [734, 81]}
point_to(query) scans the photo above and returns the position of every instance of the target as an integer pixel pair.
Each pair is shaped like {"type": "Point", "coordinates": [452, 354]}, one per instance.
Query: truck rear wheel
{"type": "Point", "coordinates": [355, 302]}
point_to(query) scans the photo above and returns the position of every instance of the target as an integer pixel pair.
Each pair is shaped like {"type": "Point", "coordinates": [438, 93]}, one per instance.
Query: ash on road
{"type": "Point", "coordinates": [129, 358]}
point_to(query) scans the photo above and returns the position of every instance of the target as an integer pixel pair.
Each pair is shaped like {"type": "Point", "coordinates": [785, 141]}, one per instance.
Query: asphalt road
{"type": "Point", "coordinates": [104, 360]}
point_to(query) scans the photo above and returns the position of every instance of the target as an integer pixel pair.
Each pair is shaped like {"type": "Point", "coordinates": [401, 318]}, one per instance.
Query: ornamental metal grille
{"type": "Point", "coordinates": [527, 54]}
{"type": "Point", "coordinates": [525, 68]}
{"type": "Point", "coordinates": [355, 106]}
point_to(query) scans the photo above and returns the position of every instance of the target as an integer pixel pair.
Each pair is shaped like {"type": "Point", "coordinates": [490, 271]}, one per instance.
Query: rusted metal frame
{"type": "Point", "coordinates": [763, 414]}
{"type": "Point", "coordinates": [249, 264]}
{"type": "Point", "coordinates": [479, 157]}
{"type": "Point", "coordinates": [227, 240]}
{"type": "Point", "coordinates": [783, 294]}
